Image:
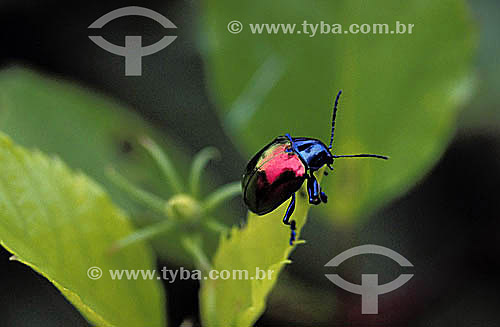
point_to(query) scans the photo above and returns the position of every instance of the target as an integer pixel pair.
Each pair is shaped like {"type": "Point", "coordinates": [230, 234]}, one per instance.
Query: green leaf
{"type": "Point", "coordinates": [62, 224]}
{"type": "Point", "coordinates": [87, 130]}
{"type": "Point", "coordinates": [401, 94]}
{"type": "Point", "coordinates": [91, 132]}
{"type": "Point", "coordinates": [263, 244]}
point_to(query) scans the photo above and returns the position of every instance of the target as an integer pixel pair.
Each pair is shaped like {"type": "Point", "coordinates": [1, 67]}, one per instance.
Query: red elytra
{"type": "Point", "coordinates": [272, 176]}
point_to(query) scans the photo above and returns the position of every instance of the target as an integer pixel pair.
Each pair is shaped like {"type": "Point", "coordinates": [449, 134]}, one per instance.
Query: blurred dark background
{"type": "Point", "coordinates": [446, 226]}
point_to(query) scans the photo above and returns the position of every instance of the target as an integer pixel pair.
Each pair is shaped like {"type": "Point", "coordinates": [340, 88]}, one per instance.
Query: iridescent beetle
{"type": "Point", "coordinates": [277, 171]}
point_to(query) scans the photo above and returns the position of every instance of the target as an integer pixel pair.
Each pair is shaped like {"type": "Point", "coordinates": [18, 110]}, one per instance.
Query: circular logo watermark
{"type": "Point", "coordinates": [133, 51]}
{"type": "Point", "coordinates": [234, 26]}
{"type": "Point", "coordinates": [94, 273]}
{"type": "Point", "coordinates": [369, 289]}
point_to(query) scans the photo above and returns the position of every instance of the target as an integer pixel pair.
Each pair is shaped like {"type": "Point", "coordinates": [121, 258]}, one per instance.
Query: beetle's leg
{"type": "Point", "coordinates": [293, 233]}
{"type": "Point", "coordinates": [286, 219]}
{"type": "Point", "coordinates": [323, 197]}
{"type": "Point", "coordinates": [329, 166]}
{"type": "Point", "coordinates": [313, 189]}
{"type": "Point", "coordinates": [289, 211]}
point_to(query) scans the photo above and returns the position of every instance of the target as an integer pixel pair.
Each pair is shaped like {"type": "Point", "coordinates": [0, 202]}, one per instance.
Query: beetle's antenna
{"type": "Point", "coordinates": [362, 156]}
{"type": "Point", "coordinates": [333, 118]}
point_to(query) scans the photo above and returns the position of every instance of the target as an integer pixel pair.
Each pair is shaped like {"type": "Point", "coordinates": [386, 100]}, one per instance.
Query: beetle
{"type": "Point", "coordinates": [278, 171]}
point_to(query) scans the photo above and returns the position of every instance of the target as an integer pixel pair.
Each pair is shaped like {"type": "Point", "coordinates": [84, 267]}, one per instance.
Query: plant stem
{"type": "Point", "coordinates": [222, 194]}
{"type": "Point", "coordinates": [199, 163]}
{"type": "Point", "coordinates": [146, 198]}
{"type": "Point", "coordinates": [214, 225]}
{"type": "Point", "coordinates": [143, 234]}
{"type": "Point", "coordinates": [164, 162]}
{"type": "Point", "coordinates": [192, 245]}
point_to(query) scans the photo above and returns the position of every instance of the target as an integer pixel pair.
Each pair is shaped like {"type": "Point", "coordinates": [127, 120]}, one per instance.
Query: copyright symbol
{"type": "Point", "coordinates": [234, 27]}
{"type": "Point", "coordinates": [94, 273]}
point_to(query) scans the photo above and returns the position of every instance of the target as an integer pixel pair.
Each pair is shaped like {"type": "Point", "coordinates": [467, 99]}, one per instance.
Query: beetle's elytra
{"type": "Point", "coordinates": [277, 171]}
